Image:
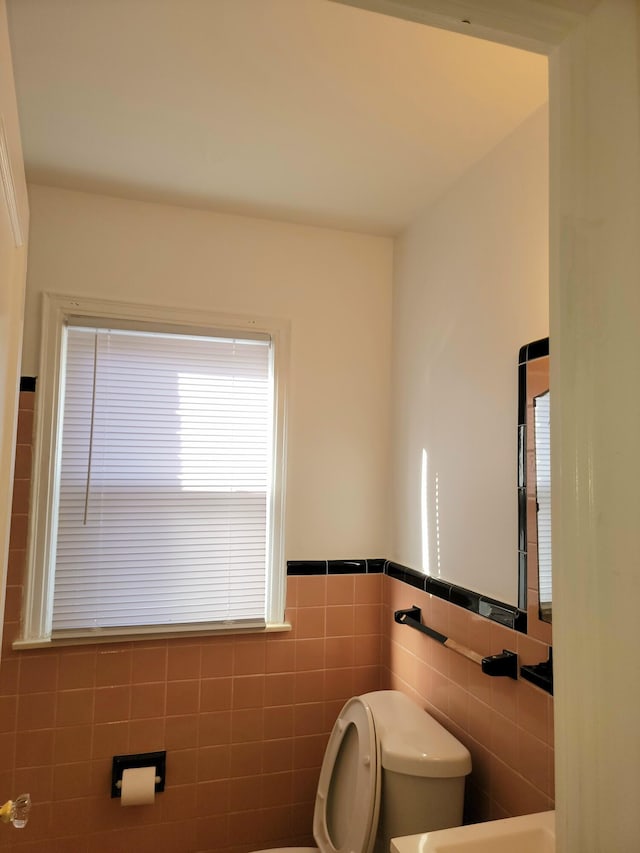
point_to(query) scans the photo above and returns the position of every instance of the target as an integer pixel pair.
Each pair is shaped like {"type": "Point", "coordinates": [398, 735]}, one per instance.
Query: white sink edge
{"type": "Point", "coordinates": [474, 834]}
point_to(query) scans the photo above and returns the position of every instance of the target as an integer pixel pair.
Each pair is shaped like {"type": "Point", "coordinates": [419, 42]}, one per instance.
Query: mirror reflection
{"type": "Point", "coordinates": [534, 482]}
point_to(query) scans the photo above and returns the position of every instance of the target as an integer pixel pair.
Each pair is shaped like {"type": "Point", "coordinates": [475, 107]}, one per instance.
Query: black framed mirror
{"type": "Point", "coordinates": [534, 488]}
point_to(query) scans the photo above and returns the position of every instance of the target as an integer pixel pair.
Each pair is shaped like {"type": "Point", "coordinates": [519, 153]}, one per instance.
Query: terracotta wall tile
{"type": "Point", "coordinates": [245, 720]}
{"type": "Point", "coordinates": [506, 724]}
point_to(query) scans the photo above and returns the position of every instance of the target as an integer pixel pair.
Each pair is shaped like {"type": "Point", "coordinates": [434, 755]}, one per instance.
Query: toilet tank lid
{"type": "Point", "coordinates": [411, 741]}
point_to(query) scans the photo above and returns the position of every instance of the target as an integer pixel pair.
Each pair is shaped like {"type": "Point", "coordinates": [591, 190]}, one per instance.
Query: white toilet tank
{"type": "Point", "coordinates": [423, 769]}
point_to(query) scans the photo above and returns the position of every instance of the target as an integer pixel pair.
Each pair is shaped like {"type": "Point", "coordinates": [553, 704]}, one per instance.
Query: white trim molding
{"type": "Point", "coordinates": [9, 188]}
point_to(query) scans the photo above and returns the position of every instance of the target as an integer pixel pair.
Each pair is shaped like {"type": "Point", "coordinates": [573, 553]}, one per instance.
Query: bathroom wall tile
{"type": "Point", "coordinates": [309, 719]}
{"type": "Point", "coordinates": [148, 700]}
{"type": "Point", "coordinates": [277, 789]}
{"type": "Point", "coordinates": [212, 762]}
{"type": "Point", "coordinates": [480, 635]}
{"type": "Point", "coordinates": [279, 689]}
{"type": "Point", "coordinates": [248, 691]}
{"type": "Point", "coordinates": [277, 755]}
{"type": "Point", "coordinates": [278, 722]}
{"type": "Point", "coordinates": [15, 571]}
{"type": "Point", "coordinates": [308, 751]}
{"type": "Point", "coordinates": [249, 656]}
{"type": "Point", "coordinates": [341, 589]}
{"type": "Point", "coordinates": [504, 740]}
{"type": "Point", "coordinates": [246, 759]}
{"type": "Point", "coordinates": [340, 621]}
{"type": "Point", "coordinates": [109, 739]}
{"type": "Point", "coordinates": [504, 697]}
{"type": "Point", "coordinates": [339, 652]}
{"type": "Point", "coordinates": [276, 823]}
{"type": "Point", "coordinates": [404, 664]}
{"type": "Point", "coordinates": [9, 712]}
{"type": "Point", "coordinates": [424, 679]}
{"type": "Point", "coordinates": [366, 679]}
{"type": "Point", "coordinates": [70, 780]}
{"type": "Point", "coordinates": [338, 684]}
{"type": "Point", "coordinates": [72, 743]}
{"type": "Point", "coordinates": [216, 694]}
{"type": "Point", "coordinates": [533, 755]}
{"type": "Point", "coordinates": [310, 686]}
{"type": "Point", "coordinates": [35, 711]}
{"type": "Point", "coordinates": [69, 816]}
{"type": "Point", "coordinates": [309, 655]}
{"type": "Point", "coordinates": [312, 591]}
{"type": "Point", "coordinates": [181, 732]}
{"type": "Point", "coordinates": [367, 650]}
{"type": "Point", "coordinates": [214, 728]}
{"type": "Point", "coordinates": [480, 720]}
{"type": "Point", "coordinates": [216, 658]}
{"type": "Point", "coordinates": [111, 704]}
{"type": "Point", "coordinates": [34, 748]}
{"type": "Point", "coordinates": [113, 668]}
{"type": "Point", "coordinates": [183, 765]}
{"type": "Point", "coordinates": [308, 622]}
{"type": "Point", "coordinates": [247, 725]}
{"type": "Point", "coordinates": [459, 670]}
{"type": "Point", "coordinates": [38, 674]}
{"type": "Point", "coordinates": [76, 670]}
{"type": "Point", "coordinates": [368, 589]}
{"type": "Point", "coordinates": [38, 781]}
{"type": "Point", "coordinates": [212, 832]}
{"type": "Point", "coordinates": [212, 797]}
{"type": "Point", "coordinates": [459, 705]}
{"type": "Point", "coordinates": [441, 659]}
{"type": "Point", "coordinates": [532, 708]}
{"type": "Point", "coordinates": [180, 802]}
{"type": "Point", "coordinates": [18, 536]}
{"type": "Point", "coordinates": [514, 792]}
{"type": "Point", "coordinates": [183, 662]}
{"type": "Point", "coordinates": [183, 697]}
{"type": "Point", "coordinates": [280, 656]}
{"type": "Point", "coordinates": [332, 708]}
{"type": "Point", "coordinates": [148, 664]}
{"type": "Point", "coordinates": [305, 783]}
{"type": "Point", "coordinates": [285, 691]}
{"type": "Point", "coordinates": [245, 794]}
{"type": "Point", "coordinates": [245, 831]}
{"type": "Point", "coordinates": [24, 432]}
{"type": "Point", "coordinates": [22, 463]}
{"type": "Point", "coordinates": [367, 619]}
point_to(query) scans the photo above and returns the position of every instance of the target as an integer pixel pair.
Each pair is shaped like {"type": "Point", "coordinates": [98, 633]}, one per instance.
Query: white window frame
{"type": "Point", "coordinates": [57, 311]}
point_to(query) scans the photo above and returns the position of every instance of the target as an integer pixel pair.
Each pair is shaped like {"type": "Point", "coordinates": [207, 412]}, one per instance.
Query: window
{"type": "Point", "coordinates": [159, 457]}
{"type": "Point", "coordinates": [542, 434]}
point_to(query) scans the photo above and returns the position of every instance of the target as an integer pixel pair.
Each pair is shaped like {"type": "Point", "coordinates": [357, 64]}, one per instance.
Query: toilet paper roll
{"type": "Point", "coordinates": [138, 786]}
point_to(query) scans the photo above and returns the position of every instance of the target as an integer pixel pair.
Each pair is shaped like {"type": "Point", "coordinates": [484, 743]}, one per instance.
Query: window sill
{"type": "Point", "coordinates": [144, 634]}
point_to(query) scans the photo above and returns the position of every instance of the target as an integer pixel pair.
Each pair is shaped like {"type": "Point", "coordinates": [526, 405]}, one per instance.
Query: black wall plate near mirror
{"type": "Point", "coordinates": [534, 489]}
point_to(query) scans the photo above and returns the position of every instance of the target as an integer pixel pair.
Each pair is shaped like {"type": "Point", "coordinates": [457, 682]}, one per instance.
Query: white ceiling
{"type": "Point", "coordinates": [304, 110]}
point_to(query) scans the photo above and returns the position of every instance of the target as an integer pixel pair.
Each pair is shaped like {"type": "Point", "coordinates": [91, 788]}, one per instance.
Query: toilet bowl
{"type": "Point", "coordinates": [389, 770]}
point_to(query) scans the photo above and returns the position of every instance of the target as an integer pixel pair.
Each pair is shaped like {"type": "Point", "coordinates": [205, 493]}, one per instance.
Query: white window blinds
{"type": "Point", "coordinates": [164, 479]}
{"type": "Point", "coordinates": [543, 493]}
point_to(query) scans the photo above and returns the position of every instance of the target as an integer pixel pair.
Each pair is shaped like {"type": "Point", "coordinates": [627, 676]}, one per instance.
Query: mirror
{"type": "Point", "coordinates": [534, 487]}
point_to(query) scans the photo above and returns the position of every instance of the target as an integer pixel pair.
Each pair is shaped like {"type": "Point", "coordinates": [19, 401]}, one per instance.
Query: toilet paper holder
{"type": "Point", "coordinates": [140, 759]}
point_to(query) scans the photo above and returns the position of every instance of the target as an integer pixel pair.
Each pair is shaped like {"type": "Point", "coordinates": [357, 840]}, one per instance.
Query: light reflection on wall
{"type": "Point", "coordinates": [424, 512]}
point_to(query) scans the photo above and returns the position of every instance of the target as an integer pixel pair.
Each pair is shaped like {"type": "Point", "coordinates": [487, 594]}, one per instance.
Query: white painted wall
{"type": "Point", "coordinates": [13, 255]}
{"type": "Point", "coordinates": [471, 287]}
{"type": "Point", "coordinates": [334, 286]}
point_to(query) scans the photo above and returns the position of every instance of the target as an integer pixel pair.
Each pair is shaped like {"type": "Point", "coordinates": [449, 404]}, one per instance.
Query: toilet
{"type": "Point", "coordinates": [389, 770]}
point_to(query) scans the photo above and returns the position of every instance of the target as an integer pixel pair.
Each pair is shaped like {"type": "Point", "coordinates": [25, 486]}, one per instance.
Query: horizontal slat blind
{"type": "Point", "coordinates": [164, 480]}
{"type": "Point", "coordinates": [543, 493]}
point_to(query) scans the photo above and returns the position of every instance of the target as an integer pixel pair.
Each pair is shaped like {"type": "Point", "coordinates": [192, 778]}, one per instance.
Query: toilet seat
{"type": "Point", "coordinates": [345, 818]}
